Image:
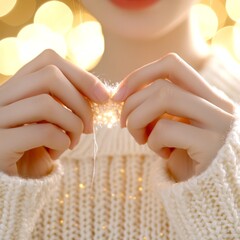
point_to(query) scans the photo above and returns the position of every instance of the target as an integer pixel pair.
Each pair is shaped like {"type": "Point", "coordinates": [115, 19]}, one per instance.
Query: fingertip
{"type": "Point", "coordinates": [54, 154]}
{"type": "Point", "coordinates": [100, 93]}
{"type": "Point", "coordinates": [165, 152]}
{"type": "Point", "coordinates": [120, 94]}
{"type": "Point", "coordinates": [141, 140]}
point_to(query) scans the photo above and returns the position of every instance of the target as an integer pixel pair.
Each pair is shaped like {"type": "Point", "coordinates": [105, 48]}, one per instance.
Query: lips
{"type": "Point", "coordinates": [133, 4]}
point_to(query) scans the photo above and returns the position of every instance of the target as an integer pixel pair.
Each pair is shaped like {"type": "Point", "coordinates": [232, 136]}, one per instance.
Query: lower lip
{"type": "Point", "coordinates": [133, 4]}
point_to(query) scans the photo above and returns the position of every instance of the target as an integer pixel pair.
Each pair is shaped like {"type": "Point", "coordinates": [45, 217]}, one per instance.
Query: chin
{"type": "Point", "coordinates": [147, 23]}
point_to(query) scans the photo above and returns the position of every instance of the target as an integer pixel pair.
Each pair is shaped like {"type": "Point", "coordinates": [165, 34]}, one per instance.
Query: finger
{"type": "Point", "coordinates": [37, 135]}
{"type": "Point", "coordinates": [50, 80]}
{"type": "Point", "coordinates": [139, 97]}
{"type": "Point", "coordinates": [84, 81]}
{"type": "Point", "coordinates": [165, 97]}
{"type": "Point", "coordinates": [173, 68]}
{"type": "Point", "coordinates": [181, 166]}
{"type": "Point", "coordinates": [171, 134]}
{"type": "Point", "coordinates": [41, 108]}
{"type": "Point", "coordinates": [35, 164]}
{"type": "Point", "coordinates": [133, 102]}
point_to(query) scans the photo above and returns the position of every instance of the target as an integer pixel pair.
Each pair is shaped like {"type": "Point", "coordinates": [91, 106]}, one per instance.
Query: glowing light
{"type": "Point", "coordinates": [85, 44]}
{"type": "Point", "coordinates": [9, 57]}
{"type": "Point", "coordinates": [208, 24]}
{"type": "Point", "coordinates": [223, 40]}
{"type": "Point", "coordinates": [3, 78]}
{"type": "Point", "coordinates": [55, 15]}
{"type": "Point", "coordinates": [107, 114]}
{"type": "Point", "coordinates": [21, 13]}
{"type": "Point", "coordinates": [6, 6]}
{"type": "Point", "coordinates": [236, 41]}
{"type": "Point", "coordinates": [81, 185]}
{"type": "Point", "coordinates": [233, 9]}
{"type": "Point", "coordinates": [219, 8]}
{"type": "Point", "coordinates": [35, 38]}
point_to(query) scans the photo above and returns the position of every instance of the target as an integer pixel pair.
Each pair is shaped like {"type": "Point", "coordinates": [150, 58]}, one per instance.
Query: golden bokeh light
{"type": "Point", "coordinates": [21, 13]}
{"type": "Point", "coordinates": [6, 6]}
{"type": "Point", "coordinates": [55, 15]}
{"type": "Point", "coordinates": [35, 38]}
{"type": "Point", "coordinates": [219, 8]}
{"type": "Point", "coordinates": [85, 44]}
{"type": "Point", "coordinates": [233, 9]}
{"type": "Point", "coordinates": [224, 39]}
{"type": "Point", "coordinates": [67, 28]}
{"type": "Point", "coordinates": [236, 39]}
{"type": "Point", "coordinates": [208, 24]}
{"type": "Point", "coordinates": [9, 57]}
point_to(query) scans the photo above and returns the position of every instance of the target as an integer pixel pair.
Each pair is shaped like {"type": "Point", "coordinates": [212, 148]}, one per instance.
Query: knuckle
{"type": "Point", "coordinates": [164, 91]}
{"type": "Point", "coordinates": [52, 74]}
{"type": "Point", "coordinates": [45, 103]}
{"type": "Point", "coordinates": [52, 70]}
{"type": "Point", "coordinates": [48, 130]}
{"type": "Point", "coordinates": [172, 57]}
{"type": "Point", "coordinates": [49, 55]}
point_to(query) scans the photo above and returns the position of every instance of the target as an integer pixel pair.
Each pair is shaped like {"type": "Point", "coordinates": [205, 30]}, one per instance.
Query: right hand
{"type": "Point", "coordinates": [43, 112]}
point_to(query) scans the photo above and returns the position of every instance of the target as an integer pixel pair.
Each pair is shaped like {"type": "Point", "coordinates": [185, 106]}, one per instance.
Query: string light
{"type": "Point", "coordinates": [107, 114]}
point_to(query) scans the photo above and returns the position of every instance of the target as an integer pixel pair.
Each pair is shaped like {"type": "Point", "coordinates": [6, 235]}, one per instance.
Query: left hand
{"type": "Point", "coordinates": [169, 106]}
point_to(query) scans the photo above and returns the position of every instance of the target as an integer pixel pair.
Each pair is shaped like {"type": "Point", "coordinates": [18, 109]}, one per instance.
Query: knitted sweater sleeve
{"type": "Point", "coordinates": [21, 202]}
{"type": "Point", "coordinates": [206, 206]}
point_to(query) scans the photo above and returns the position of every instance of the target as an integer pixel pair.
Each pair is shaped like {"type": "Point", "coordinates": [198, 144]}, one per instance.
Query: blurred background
{"type": "Point", "coordinates": [27, 27]}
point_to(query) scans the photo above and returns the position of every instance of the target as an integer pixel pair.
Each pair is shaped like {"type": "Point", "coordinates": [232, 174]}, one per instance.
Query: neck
{"type": "Point", "coordinates": [123, 55]}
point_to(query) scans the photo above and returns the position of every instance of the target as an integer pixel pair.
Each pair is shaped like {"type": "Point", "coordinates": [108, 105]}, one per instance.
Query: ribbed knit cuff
{"type": "Point", "coordinates": [206, 206]}
{"type": "Point", "coordinates": [21, 201]}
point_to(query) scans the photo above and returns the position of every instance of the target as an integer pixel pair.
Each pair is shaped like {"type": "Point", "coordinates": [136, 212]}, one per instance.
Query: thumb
{"type": "Point", "coordinates": [180, 165]}
{"type": "Point", "coordinates": [35, 163]}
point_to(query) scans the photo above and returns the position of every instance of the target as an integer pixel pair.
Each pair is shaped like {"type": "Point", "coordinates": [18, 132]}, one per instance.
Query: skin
{"type": "Point", "coordinates": [44, 107]}
{"type": "Point", "coordinates": [135, 38]}
{"type": "Point", "coordinates": [189, 141]}
{"type": "Point", "coordinates": [39, 93]}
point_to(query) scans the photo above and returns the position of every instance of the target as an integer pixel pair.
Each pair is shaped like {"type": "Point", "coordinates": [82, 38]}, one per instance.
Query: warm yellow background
{"type": "Point", "coordinates": [219, 22]}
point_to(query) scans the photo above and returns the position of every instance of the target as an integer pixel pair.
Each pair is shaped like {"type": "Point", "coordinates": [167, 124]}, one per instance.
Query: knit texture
{"type": "Point", "coordinates": [133, 196]}
{"type": "Point", "coordinates": [206, 206]}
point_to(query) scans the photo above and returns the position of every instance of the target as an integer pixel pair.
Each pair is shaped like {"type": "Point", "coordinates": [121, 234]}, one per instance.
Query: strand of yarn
{"type": "Point", "coordinates": [95, 150]}
{"type": "Point", "coordinates": [104, 115]}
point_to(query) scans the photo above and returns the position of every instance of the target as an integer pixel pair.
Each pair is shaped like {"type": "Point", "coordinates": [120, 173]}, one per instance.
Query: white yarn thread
{"type": "Point", "coordinates": [104, 115]}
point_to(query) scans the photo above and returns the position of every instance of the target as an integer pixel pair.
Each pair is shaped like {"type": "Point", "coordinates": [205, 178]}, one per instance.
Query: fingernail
{"type": "Point", "coordinates": [120, 95]}
{"type": "Point", "coordinates": [101, 93]}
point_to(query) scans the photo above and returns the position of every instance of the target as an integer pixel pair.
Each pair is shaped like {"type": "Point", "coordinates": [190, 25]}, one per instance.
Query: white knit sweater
{"type": "Point", "coordinates": [133, 196]}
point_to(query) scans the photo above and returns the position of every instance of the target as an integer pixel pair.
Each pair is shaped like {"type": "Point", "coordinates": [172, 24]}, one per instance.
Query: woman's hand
{"type": "Point", "coordinates": [170, 107]}
{"type": "Point", "coordinates": [43, 112]}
